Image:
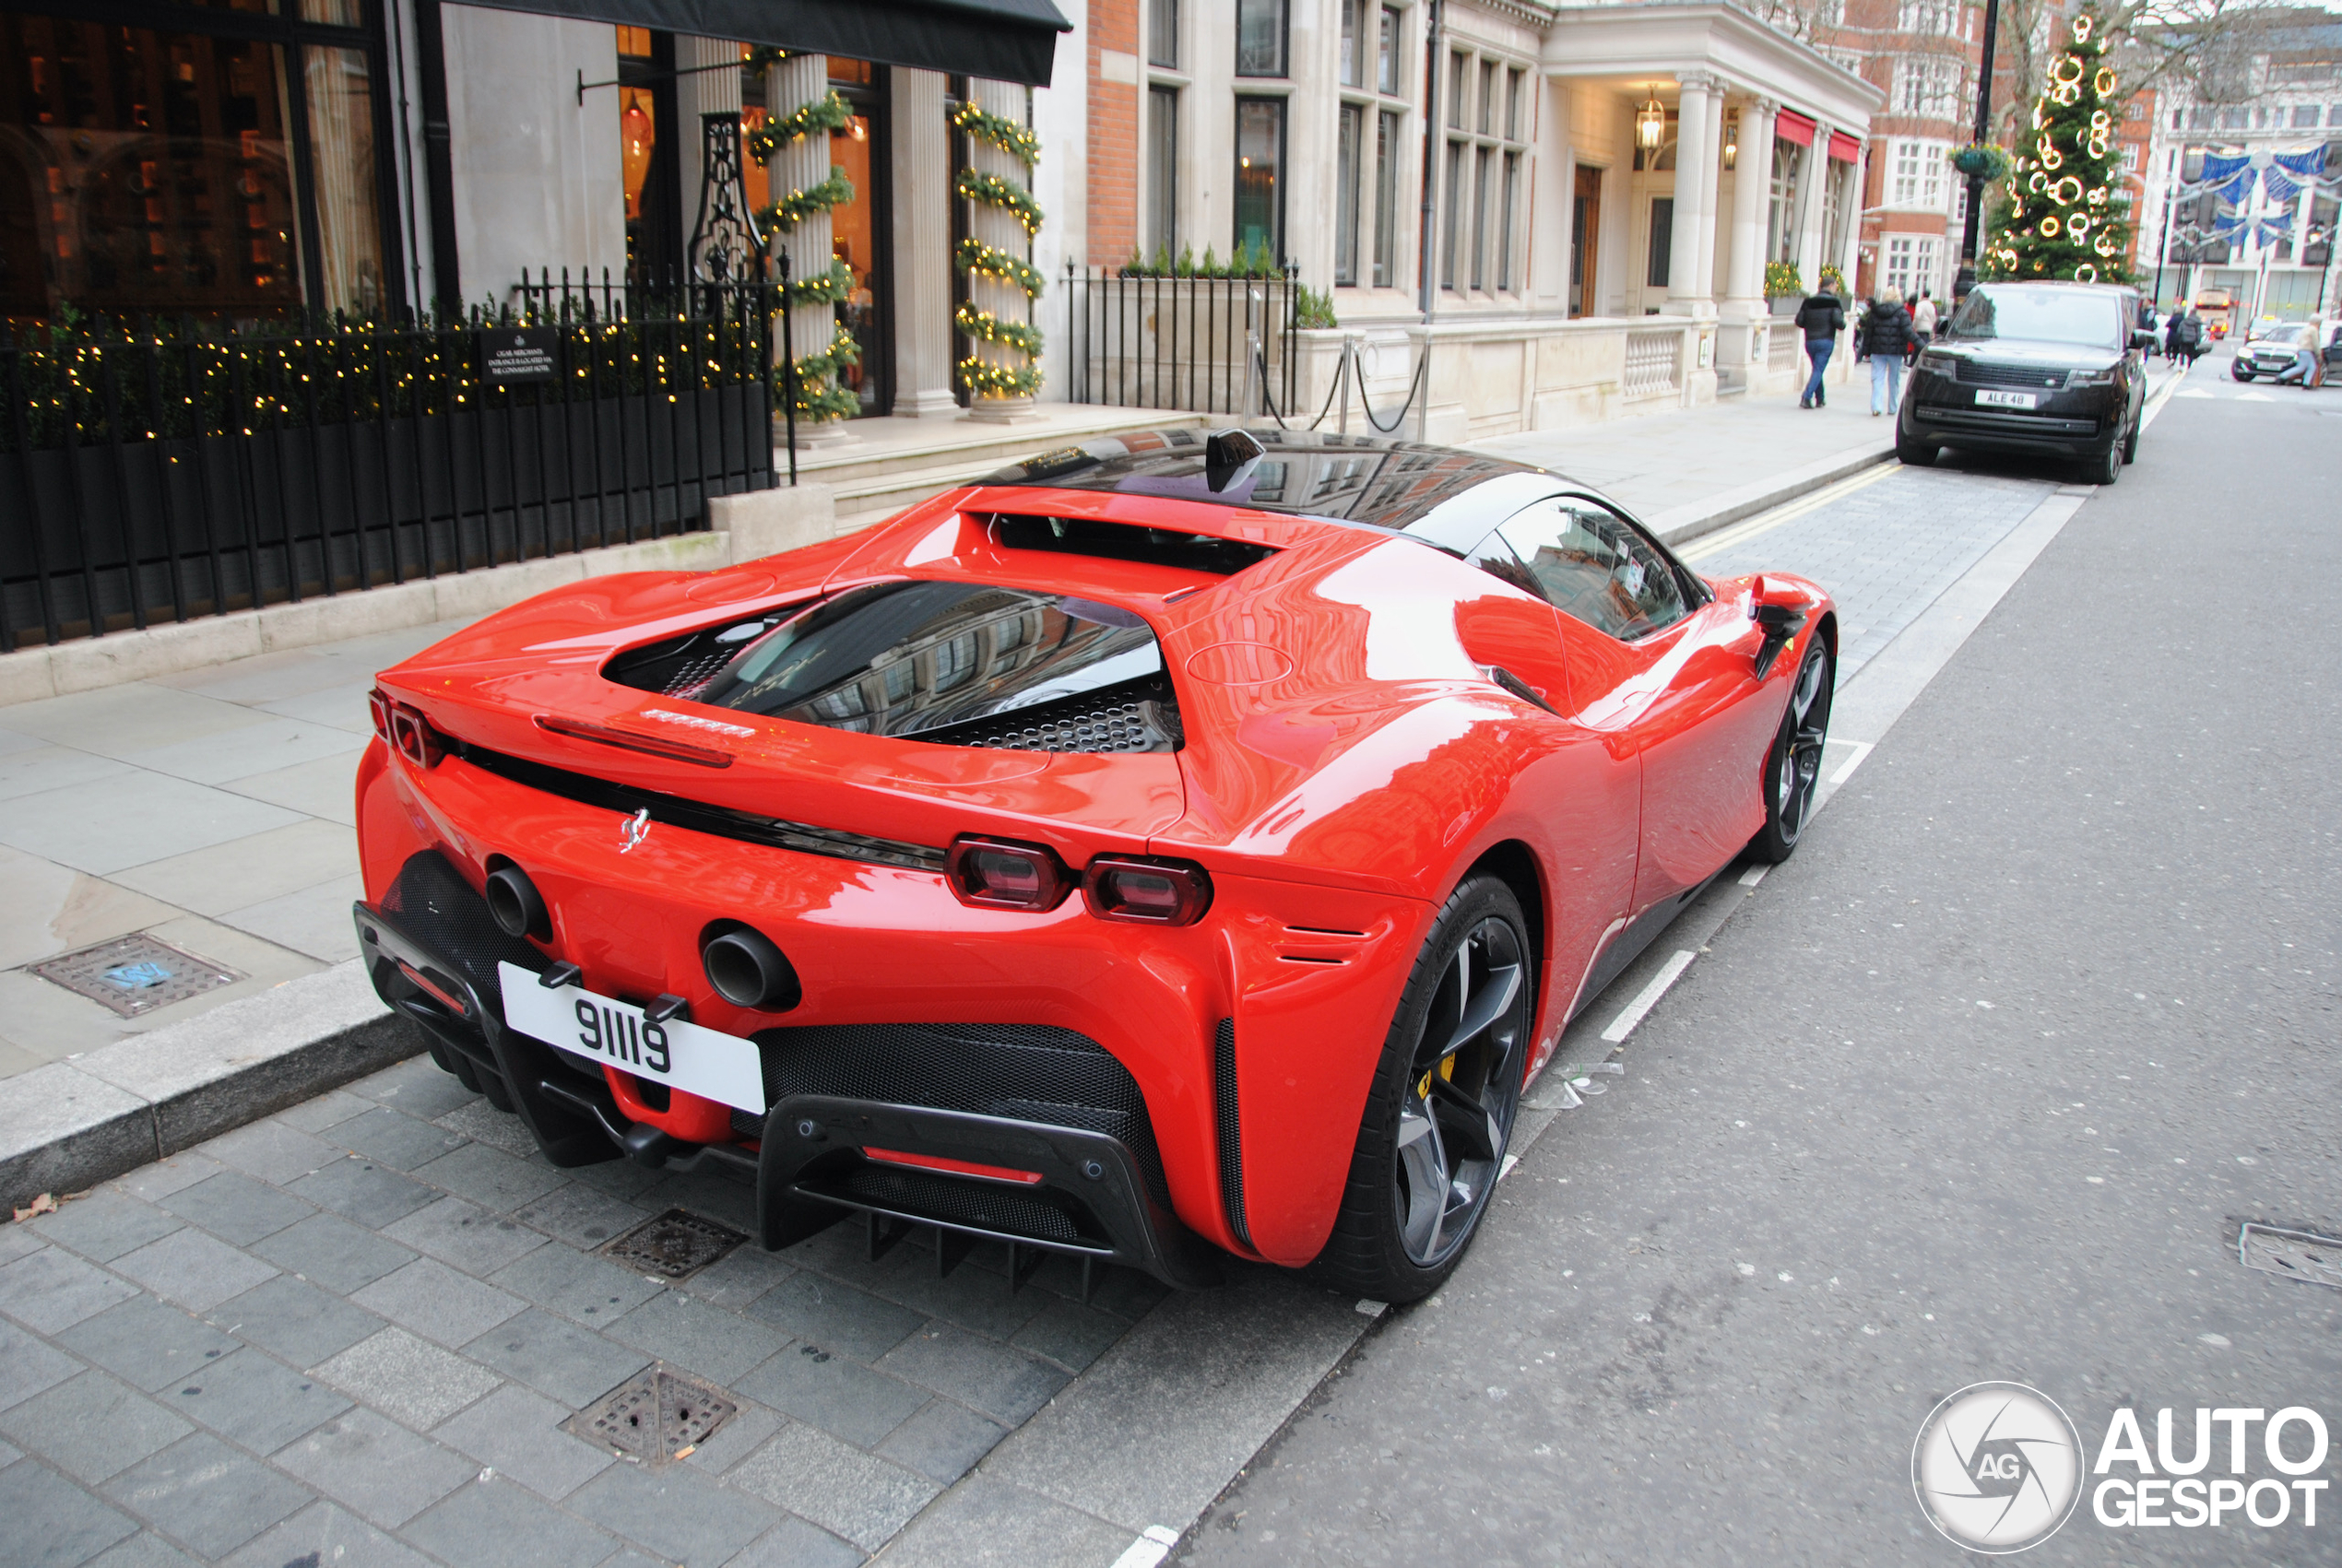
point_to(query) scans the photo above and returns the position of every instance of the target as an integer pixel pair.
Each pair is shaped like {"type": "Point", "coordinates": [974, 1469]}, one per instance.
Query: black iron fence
{"type": "Point", "coordinates": [167, 472]}
{"type": "Point", "coordinates": [1205, 345]}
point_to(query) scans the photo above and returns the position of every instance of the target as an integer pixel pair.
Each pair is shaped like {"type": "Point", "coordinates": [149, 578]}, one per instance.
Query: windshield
{"type": "Point", "coordinates": [2042, 315]}
{"type": "Point", "coordinates": [2291, 332]}
{"type": "Point", "coordinates": [904, 658]}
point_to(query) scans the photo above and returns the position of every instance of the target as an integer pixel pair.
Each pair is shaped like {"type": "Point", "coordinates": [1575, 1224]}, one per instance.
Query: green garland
{"type": "Point", "coordinates": [976, 257]}
{"type": "Point", "coordinates": [763, 58]}
{"type": "Point", "coordinates": [1025, 339]}
{"type": "Point", "coordinates": [1006, 134]}
{"type": "Point", "coordinates": [797, 206]}
{"type": "Point", "coordinates": [831, 114]}
{"type": "Point", "coordinates": [818, 398]}
{"type": "Point", "coordinates": [993, 191]}
{"type": "Point", "coordinates": [984, 379]}
{"type": "Point", "coordinates": [830, 287]}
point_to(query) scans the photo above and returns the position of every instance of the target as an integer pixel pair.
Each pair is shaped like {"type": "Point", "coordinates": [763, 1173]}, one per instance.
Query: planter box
{"type": "Point", "coordinates": [1785, 304]}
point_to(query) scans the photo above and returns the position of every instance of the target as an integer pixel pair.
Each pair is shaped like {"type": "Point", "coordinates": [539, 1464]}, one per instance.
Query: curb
{"type": "Point", "coordinates": [70, 1124]}
{"type": "Point", "coordinates": [1683, 524]}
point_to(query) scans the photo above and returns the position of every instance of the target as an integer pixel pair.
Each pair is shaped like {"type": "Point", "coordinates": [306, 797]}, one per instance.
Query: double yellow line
{"type": "Point", "coordinates": [1765, 523]}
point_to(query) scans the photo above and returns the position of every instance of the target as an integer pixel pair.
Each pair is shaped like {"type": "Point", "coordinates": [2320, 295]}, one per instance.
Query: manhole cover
{"type": "Point", "coordinates": [2296, 1255]}
{"type": "Point", "coordinates": [656, 1415]}
{"type": "Point", "coordinates": [674, 1245]}
{"type": "Point", "coordinates": [136, 974]}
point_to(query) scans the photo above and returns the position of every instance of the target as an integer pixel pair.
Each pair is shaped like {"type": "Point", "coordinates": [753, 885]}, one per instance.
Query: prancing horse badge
{"type": "Point", "coordinates": [634, 829]}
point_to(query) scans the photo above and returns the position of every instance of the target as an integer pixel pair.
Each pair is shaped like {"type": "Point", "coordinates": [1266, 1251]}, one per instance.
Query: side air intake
{"type": "Point", "coordinates": [1224, 1096]}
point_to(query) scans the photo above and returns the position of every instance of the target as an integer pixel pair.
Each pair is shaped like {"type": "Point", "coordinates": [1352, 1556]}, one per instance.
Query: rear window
{"type": "Point", "coordinates": [923, 658]}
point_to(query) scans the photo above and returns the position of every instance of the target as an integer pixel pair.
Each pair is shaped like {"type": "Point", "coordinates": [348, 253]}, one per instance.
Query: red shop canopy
{"type": "Point", "coordinates": [1843, 148]}
{"type": "Point", "coordinates": [1791, 126]}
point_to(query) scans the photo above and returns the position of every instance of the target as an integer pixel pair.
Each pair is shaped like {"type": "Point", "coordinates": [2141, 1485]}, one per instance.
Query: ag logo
{"type": "Point", "coordinates": [1997, 1467]}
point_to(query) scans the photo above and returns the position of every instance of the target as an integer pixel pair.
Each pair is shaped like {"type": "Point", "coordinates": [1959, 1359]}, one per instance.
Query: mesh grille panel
{"type": "Point", "coordinates": [965, 1203]}
{"type": "Point", "coordinates": [1074, 725]}
{"type": "Point", "coordinates": [2009, 375]}
{"type": "Point", "coordinates": [1028, 1072]}
{"type": "Point", "coordinates": [1223, 1086]}
{"type": "Point", "coordinates": [432, 899]}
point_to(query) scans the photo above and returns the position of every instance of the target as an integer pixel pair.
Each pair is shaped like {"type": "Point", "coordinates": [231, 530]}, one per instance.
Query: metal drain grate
{"type": "Point", "coordinates": [2295, 1254]}
{"type": "Point", "coordinates": [136, 974]}
{"type": "Point", "coordinates": [656, 1415]}
{"type": "Point", "coordinates": [675, 1245]}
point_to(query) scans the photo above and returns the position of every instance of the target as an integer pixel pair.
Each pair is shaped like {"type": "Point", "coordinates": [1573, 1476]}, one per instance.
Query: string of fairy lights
{"type": "Point", "coordinates": [2066, 208]}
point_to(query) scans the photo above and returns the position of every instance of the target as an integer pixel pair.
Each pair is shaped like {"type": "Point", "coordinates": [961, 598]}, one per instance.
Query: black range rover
{"type": "Point", "coordinates": [2048, 368]}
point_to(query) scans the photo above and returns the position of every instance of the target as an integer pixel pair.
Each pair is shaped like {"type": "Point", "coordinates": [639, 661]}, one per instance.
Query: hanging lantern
{"type": "Point", "coordinates": [1650, 125]}
{"type": "Point", "coordinates": [1731, 139]}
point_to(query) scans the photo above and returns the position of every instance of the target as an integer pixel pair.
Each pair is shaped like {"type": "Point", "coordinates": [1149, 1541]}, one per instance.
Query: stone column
{"type": "Point", "coordinates": [998, 229]}
{"type": "Point", "coordinates": [922, 280]}
{"type": "Point", "coordinates": [1752, 194]}
{"type": "Point", "coordinates": [1696, 102]}
{"type": "Point", "coordinates": [1810, 206]}
{"type": "Point", "coordinates": [799, 166]}
{"type": "Point", "coordinates": [1711, 189]}
{"type": "Point", "coordinates": [706, 92]}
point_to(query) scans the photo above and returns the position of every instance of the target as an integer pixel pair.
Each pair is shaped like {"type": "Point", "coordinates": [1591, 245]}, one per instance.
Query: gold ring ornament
{"type": "Point", "coordinates": [2104, 81]}
{"type": "Point", "coordinates": [2081, 29]}
{"type": "Point", "coordinates": [2048, 226]}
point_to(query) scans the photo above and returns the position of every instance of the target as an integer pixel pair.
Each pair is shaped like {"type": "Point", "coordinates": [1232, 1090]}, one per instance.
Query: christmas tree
{"type": "Point", "coordinates": [2068, 212]}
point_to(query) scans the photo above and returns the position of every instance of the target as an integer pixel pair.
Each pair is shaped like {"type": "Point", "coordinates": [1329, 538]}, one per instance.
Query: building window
{"type": "Point", "coordinates": [1163, 33]}
{"type": "Point", "coordinates": [1512, 105]}
{"type": "Point", "coordinates": [1928, 88]}
{"type": "Point", "coordinates": [1482, 177]}
{"type": "Point", "coordinates": [1662, 242]}
{"type": "Point", "coordinates": [1897, 271]}
{"type": "Point", "coordinates": [1940, 18]}
{"type": "Point", "coordinates": [1259, 162]}
{"type": "Point", "coordinates": [1788, 164]}
{"type": "Point", "coordinates": [2305, 116]}
{"type": "Point", "coordinates": [1352, 43]}
{"type": "Point", "coordinates": [1513, 205]}
{"type": "Point", "coordinates": [1162, 170]}
{"type": "Point", "coordinates": [1459, 84]}
{"type": "Point", "coordinates": [1449, 228]}
{"type": "Point", "coordinates": [1917, 180]}
{"type": "Point", "coordinates": [1388, 150]}
{"type": "Point", "coordinates": [1487, 120]}
{"type": "Point", "coordinates": [1386, 73]}
{"type": "Point", "coordinates": [1352, 133]}
{"type": "Point", "coordinates": [1261, 37]}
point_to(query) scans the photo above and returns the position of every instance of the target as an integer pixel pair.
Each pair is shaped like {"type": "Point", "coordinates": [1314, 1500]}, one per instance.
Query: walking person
{"type": "Point", "coordinates": [2188, 340]}
{"type": "Point", "coordinates": [2147, 325]}
{"type": "Point", "coordinates": [1886, 333]}
{"type": "Point", "coordinates": [1821, 318]}
{"type": "Point", "coordinates": [1923, 319]}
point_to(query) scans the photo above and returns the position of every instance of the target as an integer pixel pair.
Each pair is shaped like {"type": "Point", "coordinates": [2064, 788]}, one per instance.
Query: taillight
{"type": "Point", "coordinates": [379, 706]}
{"type": "Point", "coordinates": [412, 734]}
{"type": "Point", "coordinates": [1146, 892]}
{"type": "Point", "coordinates": [998, 874]}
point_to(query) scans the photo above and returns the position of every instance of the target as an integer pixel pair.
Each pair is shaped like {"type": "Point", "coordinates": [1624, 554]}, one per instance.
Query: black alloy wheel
{"type": "Point", "coordinates": [1793, 766]}
{"type": "Point", "coordinates": [2239, 373]}
{"type": "Point", "coordinates": [1439, 1115]}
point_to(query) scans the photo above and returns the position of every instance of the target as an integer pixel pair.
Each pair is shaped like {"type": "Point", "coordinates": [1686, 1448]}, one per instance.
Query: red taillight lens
{"type": "Point", "coordinates": [412, 734]}
{"type": "Point", "coordinates": [378, 707]}
{"type": "Point", "coordinates": [1146, 892]}
{"type": "Point", "coordinates": [996, 874]}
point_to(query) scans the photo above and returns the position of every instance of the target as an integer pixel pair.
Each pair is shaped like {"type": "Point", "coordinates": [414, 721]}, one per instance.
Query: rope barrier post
{"type": "Point", "coordinates": [1251, 355]}
{"type": "Point", "coordinates": [1342, 380]}
{"type": "Point", "coordinates": [1423, 373]}
{"type": "Point", "coordinates": [789, 373]}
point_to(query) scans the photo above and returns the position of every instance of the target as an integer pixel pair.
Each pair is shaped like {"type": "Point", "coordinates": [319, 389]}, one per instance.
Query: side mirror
{"type": "Point", "coordinates": [2143, 337]}
{"type": "Point", "coordinates": [1779, 611]}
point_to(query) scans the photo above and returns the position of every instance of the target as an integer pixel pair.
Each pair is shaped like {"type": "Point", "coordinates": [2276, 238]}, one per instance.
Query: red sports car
{"type": "Point", "coordinates": [1169, 843]}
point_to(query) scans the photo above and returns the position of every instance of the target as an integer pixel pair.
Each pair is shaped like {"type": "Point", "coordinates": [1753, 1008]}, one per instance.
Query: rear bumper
{"type": "Point", "coordinates": [1089, 1197]}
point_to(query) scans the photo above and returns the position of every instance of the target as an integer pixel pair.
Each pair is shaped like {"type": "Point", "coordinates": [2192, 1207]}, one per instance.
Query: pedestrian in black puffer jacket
{"type": "Point", "coordinates": [1887, 338]}
{"type": "Point", "coordinates": [1821, 318]}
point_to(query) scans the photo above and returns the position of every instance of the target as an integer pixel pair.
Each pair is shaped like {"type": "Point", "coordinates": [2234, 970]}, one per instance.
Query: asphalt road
{"type": "Point", "coordinates": [1978, 1086]}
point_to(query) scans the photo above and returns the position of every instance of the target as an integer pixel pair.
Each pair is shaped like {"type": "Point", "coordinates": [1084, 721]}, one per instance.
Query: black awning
{"type": "Point", "coordinates": [1008, 40]}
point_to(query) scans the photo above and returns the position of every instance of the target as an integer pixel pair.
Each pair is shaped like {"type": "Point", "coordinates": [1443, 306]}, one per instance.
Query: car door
{"type": "Point", "coordinates": [1656, 660]}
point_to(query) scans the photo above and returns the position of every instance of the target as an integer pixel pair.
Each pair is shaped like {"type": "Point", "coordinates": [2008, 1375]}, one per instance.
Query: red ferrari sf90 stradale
{"type": "Point", "coordinates": [1167, 845]}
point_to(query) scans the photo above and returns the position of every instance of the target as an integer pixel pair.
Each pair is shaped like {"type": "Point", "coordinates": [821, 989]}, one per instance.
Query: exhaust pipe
{"type": "Point", "coordinates": [747, 970]}
{"type": "Point", "coordinates": [517, 906]}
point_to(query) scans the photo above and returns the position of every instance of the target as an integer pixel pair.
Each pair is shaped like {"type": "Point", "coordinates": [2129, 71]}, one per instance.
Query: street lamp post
{"type": "Point", "coordinates": [1967, 278]}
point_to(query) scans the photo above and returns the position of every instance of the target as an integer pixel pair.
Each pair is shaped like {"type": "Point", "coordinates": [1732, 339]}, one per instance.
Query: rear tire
{"type": "Point", "coordinates": [1440, 1112]}
{"type": "Point", "coordinates": [1794, 762]}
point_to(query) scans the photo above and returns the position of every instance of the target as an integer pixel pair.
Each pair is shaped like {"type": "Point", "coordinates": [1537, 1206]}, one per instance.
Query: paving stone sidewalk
{"type": "Point", "coordinates": [349, 1334]}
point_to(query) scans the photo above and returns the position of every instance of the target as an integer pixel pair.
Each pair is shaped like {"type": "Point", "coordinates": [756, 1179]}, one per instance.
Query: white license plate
{"type": "Point", "coordinates": [705, 1062]}
{"type": "Point", "coordinates": [1989, 398]}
